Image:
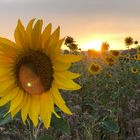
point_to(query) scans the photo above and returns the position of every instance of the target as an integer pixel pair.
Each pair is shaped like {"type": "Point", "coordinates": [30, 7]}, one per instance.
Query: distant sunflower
{"type": "Point", "coordinates": [128, 41]}
{"type": "Point", "coordinates": [95, 68]}
{"type": "Point", "coordinates": [105, 47]}
{"type": "Point", "coordinates": [110, 60]}
{"type": "Point", "coordinates": [137, 57]}
{"type": "Point", "coordinates": [134, 70]}
{"type": "Point", "coordinates": [115, 53]}
{"type": "Point", "coordinates": [138, 48]}
{"type": "Point", "coordinates": [136, 42]}
{"type": "Point", "coordinates": [32, 70]}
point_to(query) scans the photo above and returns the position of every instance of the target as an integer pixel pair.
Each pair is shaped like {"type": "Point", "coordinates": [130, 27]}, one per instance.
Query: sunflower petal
{"type": "Point", "coordinates": [4, 85]}
{"type": "Point", "coordinates": [36, 34]}
{"type": "Point", "coordinates": [20, 35]}
{"type": "Point", "coordinates": [47, 108]}
{"type": "Point", "coordinates": [69, 58]}
{"type": "Point", "coordinates": [34, 109]}
{"type": "Point", "coordinates": [16, 110]}
{"type": "Point", "coordinates": [58, 100]}
{"type": "Point", "coordinates": [66, 84]}
{"type": "Point", "coordinates": [56, 95]}
{"type": "Point", "coordinates": [17, 101]}
{"type": "Point", "coordinates": [30, 27]}
{"type": "Point", "coordinates": [55, 36]}
{"type": "Point", "coordinates": [5, 42]}
{"type": "Point", "coordinates": [54, 49]}
{"type": "Point", "coordinates": [60, 66]}
{"type": "Point", "coordinates": [46, 34]}
{"type": "Point", "coordinates": [9, 97]}
{"type": "Point", "coordinates": [25, 109]}
{"type": "Point", "coordinates": [67, 75]}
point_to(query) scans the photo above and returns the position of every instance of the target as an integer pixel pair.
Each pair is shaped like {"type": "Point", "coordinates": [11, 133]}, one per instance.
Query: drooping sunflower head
{"type": "Point", "coordinates": [128, 41]}
{"type": "Point", "coordinates": [104, 47]}
{"type": "Point", "coordinates": [32, 70]}
{"type": "Point", "coordinates": [115, 53]}
{"type": "Point", "coordinates": [94, 68]}
{"type": "Point", "coordinates": [134, 70]}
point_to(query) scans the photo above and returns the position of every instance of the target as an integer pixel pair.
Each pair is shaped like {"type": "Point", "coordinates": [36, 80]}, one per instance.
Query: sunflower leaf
{"type": "Point", "coordinates": [61, 125]}
{"type": "Point", "coordinates": [5, 120]}
{"type": "Point", "coordinates": [109, 126]}
{"type": "Point", "coordinates": [46, 137]}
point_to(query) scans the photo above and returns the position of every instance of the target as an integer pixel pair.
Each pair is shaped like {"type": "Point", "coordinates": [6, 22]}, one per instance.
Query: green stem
{"type": "Point", "coordinates": [31, 129]}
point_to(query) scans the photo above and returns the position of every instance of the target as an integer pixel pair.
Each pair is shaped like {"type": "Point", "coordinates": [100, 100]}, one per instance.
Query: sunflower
{"type": "Point", "coordinates": [115, 53]}
{"type": "Point", "coordinates": [32, 70]}
{"type": "Point", "coordinates": [136, 42]}
{"type": "Point", "coordinates": [110, 60]}
{"type": "Point", "coordinates": [134, 70]}
{"type": "Point", "coordinates": [94, 68]}
{"type": "Point", "coordinates": [128, 41]}
{"type": "Point", "coordinates": [138, 49]}
{"type": "Point", "coordinates": [137, 57]}
{"type": "Point", "coordinates": [105, 47]}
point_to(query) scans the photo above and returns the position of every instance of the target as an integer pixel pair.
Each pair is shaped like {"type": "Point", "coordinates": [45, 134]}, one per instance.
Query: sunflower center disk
{"type": "Point", "coordinates": [34, 72]}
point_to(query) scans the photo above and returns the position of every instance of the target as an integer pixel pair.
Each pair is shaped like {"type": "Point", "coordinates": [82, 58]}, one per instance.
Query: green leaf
{"type": "Point", "coordinates": [109, 126]}
{"type": "Point", "coordinates": [60, 125]}
{"type": "Point", "coordinates": [45, 138]}
{"type": "Point", "coordinates": [5, 120]}
{"type": "Point", "coordinates": [3, 110]}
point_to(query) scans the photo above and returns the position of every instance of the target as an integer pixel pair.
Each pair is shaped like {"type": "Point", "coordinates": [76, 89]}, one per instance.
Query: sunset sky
{"type": "Point", "coordinates": [90, 22]}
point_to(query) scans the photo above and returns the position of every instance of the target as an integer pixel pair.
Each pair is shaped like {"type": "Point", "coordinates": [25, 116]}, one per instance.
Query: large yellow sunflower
{"type": "Point", "coordinates": [32, 70]}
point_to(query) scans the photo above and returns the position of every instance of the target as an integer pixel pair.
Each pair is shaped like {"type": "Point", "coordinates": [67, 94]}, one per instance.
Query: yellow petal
{"type": "Point", "coordinates": [25, 109]}
{"type": "Point", "coordinates": [58, 100]}
{"type": "Point", "coordinates": [46, 34]}
{"type": "Point", "coordinates": [20, 35]}
{"type": "Point", "coordinates": [47, 108]}
{"type": "Point", "coordinates": [56, 95]}
{"type": "Point", "coordinates": [4, 85]}
{"type": "Point", "coordinates": [63, 107]}
{"type": "Point", "coordinates": [16, 110]}
{"type": "Point", "coordinates": [69, 58]}
{"type": "Point", "coordinates": [60, 66]}
{"type": "Point", "coordinates": [56, 114]}
{"type": "Point", "coordinates": [30, 27]}
{"type": "Point", "coordinates": [55, 36]}
{"type": "Point", "coordinates": [36, 34]}
{"type": "Point", "coordinates": [54, 49]}
{"type": "Point", "coordinates": [5, 42]}
{"type": "Point", "coordinates": [5, 99]}
{"type": "Point", "coordinates": [60, 42]}
{"type": "Point", "coordinates": [67, 75]}
{"type": "Point", "coordinates": [17, 101]}
{"type": "Point", "coordinates": [34, 109]}
{"type": "Point", "coordinates": [6, 50]}
{"type": "Point", "coordinates": [66, 84]}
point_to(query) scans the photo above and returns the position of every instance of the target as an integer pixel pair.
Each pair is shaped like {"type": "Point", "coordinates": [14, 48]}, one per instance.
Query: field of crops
{"type": "Point", "coordinates": [107, 107]}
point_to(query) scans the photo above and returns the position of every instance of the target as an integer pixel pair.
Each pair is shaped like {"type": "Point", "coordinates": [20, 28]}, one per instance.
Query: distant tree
{"type": "Point", "coordinates": [71, 44]}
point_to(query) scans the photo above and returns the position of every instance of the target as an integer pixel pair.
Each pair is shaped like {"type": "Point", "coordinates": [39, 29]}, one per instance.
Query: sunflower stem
{"type": "Point", "coordinates": [37, 130]}
{"type": "Point", "coordinates": [31, 130]}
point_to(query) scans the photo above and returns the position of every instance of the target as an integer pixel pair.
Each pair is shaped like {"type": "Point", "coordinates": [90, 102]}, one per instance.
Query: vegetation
{"type": "Point", "coordinates": [105, 108]}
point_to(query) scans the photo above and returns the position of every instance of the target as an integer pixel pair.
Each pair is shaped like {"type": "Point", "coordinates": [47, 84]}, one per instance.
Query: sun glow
{"type": "Point", "coordinates": [95, 44]}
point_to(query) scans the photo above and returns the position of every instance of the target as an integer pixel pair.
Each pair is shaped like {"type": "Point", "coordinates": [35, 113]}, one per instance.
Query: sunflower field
{"type": "Point", "coordinates": [98, 92]}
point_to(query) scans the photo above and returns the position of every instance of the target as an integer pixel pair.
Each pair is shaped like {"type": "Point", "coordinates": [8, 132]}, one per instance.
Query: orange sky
{"type": "Point", "coordinates": [88, 22]}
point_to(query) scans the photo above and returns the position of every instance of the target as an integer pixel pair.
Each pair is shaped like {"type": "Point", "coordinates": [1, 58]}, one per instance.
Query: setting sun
{"type": "Point", "coordinates": [94, 44]}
